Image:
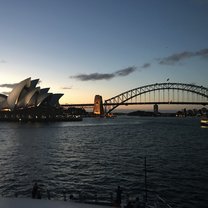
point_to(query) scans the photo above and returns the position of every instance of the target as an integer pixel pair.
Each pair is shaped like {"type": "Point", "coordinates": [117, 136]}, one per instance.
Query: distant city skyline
{"type": "Point", "coordinates": [84, 48]}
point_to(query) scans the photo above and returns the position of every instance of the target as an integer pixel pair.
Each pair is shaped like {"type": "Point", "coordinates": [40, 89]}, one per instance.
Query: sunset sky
{"type": "Point", "coordinates": [86, 47]}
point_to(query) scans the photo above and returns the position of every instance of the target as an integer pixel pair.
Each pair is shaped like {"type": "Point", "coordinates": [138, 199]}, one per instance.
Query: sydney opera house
{"type": "Point", "coordinates": [29, 102]}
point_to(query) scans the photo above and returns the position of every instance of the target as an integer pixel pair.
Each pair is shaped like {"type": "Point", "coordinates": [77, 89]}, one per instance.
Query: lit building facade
{"type": "Point", "coordinates": [26, 100]}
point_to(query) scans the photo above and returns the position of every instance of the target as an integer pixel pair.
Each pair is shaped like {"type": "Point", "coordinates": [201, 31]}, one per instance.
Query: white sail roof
{"type": "Point", "coordinates": [26, 94]}
{"type": "Point", "coordinates": [14, 95]}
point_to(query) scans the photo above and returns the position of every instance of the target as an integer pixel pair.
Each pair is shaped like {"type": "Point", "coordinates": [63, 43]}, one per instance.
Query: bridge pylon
{"type": "Point", "coordinates": [155, 109]}
{"type": "Point", "coordinates": [98, 106]}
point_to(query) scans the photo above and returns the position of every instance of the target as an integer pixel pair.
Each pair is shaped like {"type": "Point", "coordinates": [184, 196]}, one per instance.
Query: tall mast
{"type": "Point", "coordinates": [145, 178]}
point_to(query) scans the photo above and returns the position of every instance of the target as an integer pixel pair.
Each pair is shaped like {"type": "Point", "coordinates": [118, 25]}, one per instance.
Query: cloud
{"type": "Point", "coordinates": [66, 88]}
{"type": "Point", "coordinates": [126, 71]}
{"type": "Point", "coordinates": [93, 76]}
{"type": "Point", "coordinates": [202, 1]}
{"type": "Point", "coordinates": [5, 93]}
{"type": "Point", "coordinates": [146, 65]}
{"type": "Point", "coordinates": [177, 57]}
{"type": "Point", "coordinates": [171, 60]}
{"type": "Point", "coordinates": [202, 53]}
{"type": "Point", "coordinates": [8, 85]}
{"type": "Point", "coordinates": [2, 61]}
{"type": "Point", "coordinates": [104, 76]}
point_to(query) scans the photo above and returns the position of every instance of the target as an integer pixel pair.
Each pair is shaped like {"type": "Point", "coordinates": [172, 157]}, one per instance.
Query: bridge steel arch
{"type": "Point", "coordinates": [122, 98]}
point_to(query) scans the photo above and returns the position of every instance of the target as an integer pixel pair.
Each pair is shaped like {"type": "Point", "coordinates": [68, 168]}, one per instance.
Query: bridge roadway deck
{"type": "Point", "coordinates": [137, 103]}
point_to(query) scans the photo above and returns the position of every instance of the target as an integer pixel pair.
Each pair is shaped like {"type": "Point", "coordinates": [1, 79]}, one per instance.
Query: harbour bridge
{"type": "Point", "coordinates": [155, 94]}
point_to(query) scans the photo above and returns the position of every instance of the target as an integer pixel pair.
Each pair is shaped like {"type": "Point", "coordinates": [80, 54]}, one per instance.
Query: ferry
{"type": "Point", "coordinates": [204, 121]}
{"type": "Point", "coordinates": [110, 115]}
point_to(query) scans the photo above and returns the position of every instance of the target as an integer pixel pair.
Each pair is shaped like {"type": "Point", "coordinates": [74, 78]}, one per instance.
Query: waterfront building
{"type": "Point", "coordinates": [27, 101]}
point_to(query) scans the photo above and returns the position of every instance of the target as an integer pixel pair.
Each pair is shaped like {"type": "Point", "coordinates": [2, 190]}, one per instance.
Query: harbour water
{"type": "Point", "coordinates": [96, 155]}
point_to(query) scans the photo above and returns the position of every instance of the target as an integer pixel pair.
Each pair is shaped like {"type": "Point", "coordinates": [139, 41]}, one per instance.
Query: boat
{"type": "Point", "coordinates": [204, 121]}
{"type": "Point", "coordinates": [110, 115]}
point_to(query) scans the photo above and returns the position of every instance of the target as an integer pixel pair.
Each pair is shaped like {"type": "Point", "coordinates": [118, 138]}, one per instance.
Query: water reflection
{"type": "Point", "coordinates": [97, 155]}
